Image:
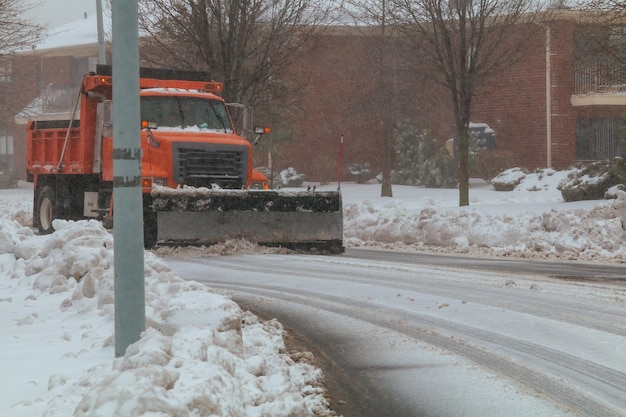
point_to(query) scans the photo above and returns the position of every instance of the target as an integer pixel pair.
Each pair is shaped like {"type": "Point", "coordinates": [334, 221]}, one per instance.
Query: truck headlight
{"type": "Point", "coordinates": [259, 186]}
{"type": "Point", "coordinates": [147, 182]}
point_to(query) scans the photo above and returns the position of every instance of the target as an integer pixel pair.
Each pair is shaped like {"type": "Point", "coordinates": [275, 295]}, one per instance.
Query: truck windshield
{"type": "Point", "coordinates": [186, 112]}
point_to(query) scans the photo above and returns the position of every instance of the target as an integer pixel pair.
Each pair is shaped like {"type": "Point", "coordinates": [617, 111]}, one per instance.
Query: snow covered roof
{"type": "Point", "coordinates": [77, 33]}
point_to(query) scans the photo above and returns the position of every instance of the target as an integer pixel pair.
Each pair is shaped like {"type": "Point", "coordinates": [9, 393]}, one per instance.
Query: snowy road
{"type": "Point", "coordinates": [418, 339]}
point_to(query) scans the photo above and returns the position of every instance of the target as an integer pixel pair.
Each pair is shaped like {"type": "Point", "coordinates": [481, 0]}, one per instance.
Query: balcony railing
{"type": "Point", "coordinates": [599, 78]}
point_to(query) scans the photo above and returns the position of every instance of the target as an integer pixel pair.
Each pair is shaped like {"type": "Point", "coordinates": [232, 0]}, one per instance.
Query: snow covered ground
{"type": "Point", "coordinates": [203, 355]}
{"type": "Point", "coordinates": [200, 356]}
{"type": "Point", "coordinates": [532, 221]}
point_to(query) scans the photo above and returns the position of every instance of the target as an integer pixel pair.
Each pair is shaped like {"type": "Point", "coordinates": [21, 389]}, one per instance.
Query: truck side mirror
{"type": "Point", "coordinates": [107, 113]}
{"type": "Point", "coordinates": [259, 131]}
{"type": "Point", "coordinates": [262, 130]}
{"type": "Point", "coordinates": [146, 124]}
{"type": "Point", "coordinates": [104, 119]}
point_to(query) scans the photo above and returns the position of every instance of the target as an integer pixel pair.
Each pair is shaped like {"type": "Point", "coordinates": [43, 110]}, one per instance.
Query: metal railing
{"type": "Point", "coordinates": [598, 139]}
{"type": "Point", "coordinates": [599, 78]}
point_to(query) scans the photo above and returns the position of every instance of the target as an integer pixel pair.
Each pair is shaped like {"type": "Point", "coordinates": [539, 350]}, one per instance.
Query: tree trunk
{"type": "Point", "coordinates": [385, 190]}
{"type": "Point", "coordinates": [463, 166]}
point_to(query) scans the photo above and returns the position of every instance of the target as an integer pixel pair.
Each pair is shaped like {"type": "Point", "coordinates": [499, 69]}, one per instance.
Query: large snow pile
{"type": "Point", "coordinates": [530, 221]}
{"type": "Point", "coordinates": [201, 355]}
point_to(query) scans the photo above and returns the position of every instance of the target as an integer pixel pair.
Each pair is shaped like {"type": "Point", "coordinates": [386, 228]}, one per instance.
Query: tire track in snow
{"type": "Point", "coordinates": [578, 384]}
{"type": "Point", "coordinates": [474, 344]}
{"type": "Point", "coordinates": [452, 285]}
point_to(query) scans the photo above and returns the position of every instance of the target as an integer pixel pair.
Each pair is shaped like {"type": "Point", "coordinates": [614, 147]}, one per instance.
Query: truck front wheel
{"type": "Point", "coordinates": [47, 210]}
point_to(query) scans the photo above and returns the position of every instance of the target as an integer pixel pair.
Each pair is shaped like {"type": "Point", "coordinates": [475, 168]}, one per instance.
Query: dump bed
{"type": "Point", "coordinates": [47, 151]}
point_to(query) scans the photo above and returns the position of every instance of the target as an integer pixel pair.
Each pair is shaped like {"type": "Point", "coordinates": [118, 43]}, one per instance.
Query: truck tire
{"type": "Point", "coordinates": [47, 209]}
{"type": "Point", "coordinates": [149, 229]}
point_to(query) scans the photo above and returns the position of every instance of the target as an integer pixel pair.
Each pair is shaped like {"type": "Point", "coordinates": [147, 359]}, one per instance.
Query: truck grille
{"type": "Point", "coordinates": [205, 164]}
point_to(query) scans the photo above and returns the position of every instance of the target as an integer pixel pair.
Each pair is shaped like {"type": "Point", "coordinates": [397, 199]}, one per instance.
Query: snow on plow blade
{"type": "Point", "coordinates": [301, 220]}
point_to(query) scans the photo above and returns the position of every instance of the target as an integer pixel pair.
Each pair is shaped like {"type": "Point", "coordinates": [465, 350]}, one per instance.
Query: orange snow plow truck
{"type": "Point", "coordinates": [199, 186]}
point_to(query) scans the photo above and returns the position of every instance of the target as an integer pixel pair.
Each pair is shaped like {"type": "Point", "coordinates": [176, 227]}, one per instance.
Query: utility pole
{"type": "Point", "coordinates": [130, 314]}
{"type": "Point", "coordinates": [386, 190]}
{"type": "Point", "coordinates": [102, 59]}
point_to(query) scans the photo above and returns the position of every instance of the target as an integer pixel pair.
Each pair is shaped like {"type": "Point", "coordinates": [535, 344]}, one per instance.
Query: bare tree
{"type": "Point", "coordinates": [16, 32]}
{"type": "Point", "coordinates": [460, 44]}
{"type": "Point", "coordinates": [600, 41]}
{"type": "Point", "coordinates": [372, 15]}
{"type": "Point", "coordinates": [247, 44]}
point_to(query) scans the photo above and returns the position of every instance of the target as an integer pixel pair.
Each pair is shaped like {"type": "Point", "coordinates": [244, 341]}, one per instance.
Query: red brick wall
{"type": "Point", "coordinates": [344, 95]}
{"type": "Point", "coordinates": [513, 104]}
{"type": "Point", "coordinates": [19, 93]}
{"type": "Point", "coordinates": [599, 112]}
{"type": "Point", "coordinates": [337, 100]}
{"type": "Point", "coordinates": [57, 70]}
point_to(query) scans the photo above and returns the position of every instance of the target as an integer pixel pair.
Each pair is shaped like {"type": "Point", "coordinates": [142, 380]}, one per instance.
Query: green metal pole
{"type": "Point", "coordinates": [130, 314]}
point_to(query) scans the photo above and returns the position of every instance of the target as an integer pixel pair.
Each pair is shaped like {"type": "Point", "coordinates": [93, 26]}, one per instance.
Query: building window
{"type": "Point", "coordinates": [6, 71]}
{"type": "Point", "coordinates": [598, 139]}
{"type": "Point", "coordinates": [6, 153]}
{"type": "Point", "coordinates": [6, 145]}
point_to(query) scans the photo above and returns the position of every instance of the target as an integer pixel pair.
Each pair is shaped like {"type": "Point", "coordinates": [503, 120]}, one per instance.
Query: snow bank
{"type": "Point", "coordinates": [595, 233]}
{"type": "Point", "coordinates": [505, 223]}
{"type": "Point", "coordinates": [201, 355]}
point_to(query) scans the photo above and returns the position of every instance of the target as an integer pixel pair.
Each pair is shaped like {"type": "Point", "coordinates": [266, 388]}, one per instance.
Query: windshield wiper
{"type": "Point", "coordinates": [182, 113]}
{"type": "Point", "coordinates": [217, 116]}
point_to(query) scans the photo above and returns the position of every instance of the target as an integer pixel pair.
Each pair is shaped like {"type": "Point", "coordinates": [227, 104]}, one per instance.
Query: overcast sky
{"type": "Point", "coordinates": [54, 13]}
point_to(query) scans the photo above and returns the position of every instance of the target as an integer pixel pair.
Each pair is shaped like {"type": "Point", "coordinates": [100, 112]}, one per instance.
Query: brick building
{"type": "Point", "coordinates": [45, 82]}
{"type": "Point", "coordinates": [348, 92]}
{"type": "Point", "coordinates": [550, 109]}
{"type": "Point", "coordinates": [514, 104]}
{"type": "Point", "coordinates": [558, 105]}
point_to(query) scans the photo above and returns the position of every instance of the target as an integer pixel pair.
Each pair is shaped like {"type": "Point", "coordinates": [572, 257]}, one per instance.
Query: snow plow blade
{"type": "Point", "coordinates": [298, 220]}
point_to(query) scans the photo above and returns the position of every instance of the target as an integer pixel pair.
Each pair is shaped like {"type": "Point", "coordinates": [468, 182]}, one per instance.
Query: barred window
{"type": "Point", "coordinates": [6, 70]}
{"type": "Point", "coordinates": [598, 139]}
